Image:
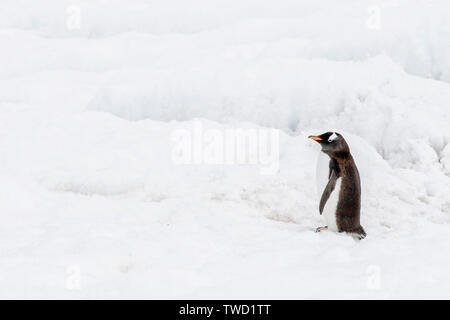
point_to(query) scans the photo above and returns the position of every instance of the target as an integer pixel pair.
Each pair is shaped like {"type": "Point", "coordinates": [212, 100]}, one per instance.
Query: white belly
{"type": "Point", "coordinates": [322, 173]}
{"type": "Point", "coordinates": [329, 212]}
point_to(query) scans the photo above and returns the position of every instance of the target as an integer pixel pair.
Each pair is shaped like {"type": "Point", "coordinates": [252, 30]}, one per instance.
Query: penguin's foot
{"type": "Point", "coordinates": [358, 233]}
{"type": "Point", "coordinates": [319, 229]}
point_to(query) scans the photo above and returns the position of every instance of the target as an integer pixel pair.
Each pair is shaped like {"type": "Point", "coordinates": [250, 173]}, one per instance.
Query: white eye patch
{"type": "Point", "coordinates": [333, 137]}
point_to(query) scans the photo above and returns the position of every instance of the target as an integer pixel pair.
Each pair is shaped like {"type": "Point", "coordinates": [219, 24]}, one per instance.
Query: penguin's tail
{"type": "Point", "coordinates": [358, 234]}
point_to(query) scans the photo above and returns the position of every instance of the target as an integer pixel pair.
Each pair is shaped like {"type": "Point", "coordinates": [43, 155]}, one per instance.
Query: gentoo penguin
{"type": "Point", "coordinates": [341, 200]}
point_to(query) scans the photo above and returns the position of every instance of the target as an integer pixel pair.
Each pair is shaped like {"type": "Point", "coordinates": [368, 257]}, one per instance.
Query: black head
{"type": "Point", "coordinates": [333, 144]}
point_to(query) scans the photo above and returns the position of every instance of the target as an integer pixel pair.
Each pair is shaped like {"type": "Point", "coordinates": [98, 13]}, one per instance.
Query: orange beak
{"type": "Point", "coordinates": [315, 138]}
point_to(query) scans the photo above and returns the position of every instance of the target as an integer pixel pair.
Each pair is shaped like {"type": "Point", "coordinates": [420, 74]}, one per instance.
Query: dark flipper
{"type": "Point", "coordinates": [328, 189]}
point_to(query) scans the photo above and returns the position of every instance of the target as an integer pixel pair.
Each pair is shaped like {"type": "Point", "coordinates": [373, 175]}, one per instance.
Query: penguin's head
{"type": "Point", "coordinates": [332, 143]}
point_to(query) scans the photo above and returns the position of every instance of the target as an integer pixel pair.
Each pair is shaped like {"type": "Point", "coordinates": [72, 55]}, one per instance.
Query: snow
{"type": "Point", "coordinates": [94, 203]}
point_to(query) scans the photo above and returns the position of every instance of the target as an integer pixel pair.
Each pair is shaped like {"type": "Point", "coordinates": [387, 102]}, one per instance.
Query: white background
{"type": "Point", "coordinates": [92, 205]}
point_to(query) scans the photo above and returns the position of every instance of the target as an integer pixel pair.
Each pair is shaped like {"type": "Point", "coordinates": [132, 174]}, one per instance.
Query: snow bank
{"type": "Point", "coordinates": [293, 95]}
{"type": "Point", "coordinates": [413, 34]}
